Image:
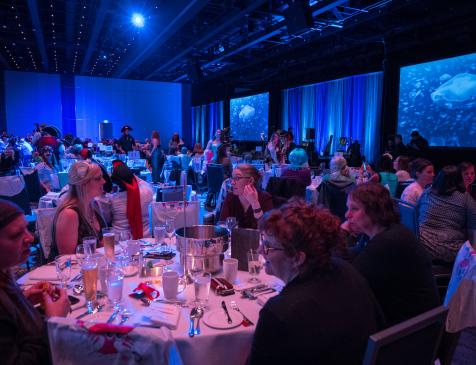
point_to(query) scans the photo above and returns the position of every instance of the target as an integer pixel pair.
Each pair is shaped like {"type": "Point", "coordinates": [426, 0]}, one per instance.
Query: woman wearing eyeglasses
{"type": "Point", "coordinates": [247, 203]}
{"type": "Point", "coordinates": [326, 311]}
{"type": "Point", "coordinates": [77, 216]}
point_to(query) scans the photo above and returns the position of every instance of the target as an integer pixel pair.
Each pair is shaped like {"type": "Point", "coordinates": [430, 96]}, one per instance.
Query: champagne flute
{"type": "Point", "coordinates": [170, 230]}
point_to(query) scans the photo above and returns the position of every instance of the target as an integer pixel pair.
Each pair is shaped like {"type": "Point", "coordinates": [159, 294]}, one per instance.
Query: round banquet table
{"type": "Point", "coordinates": [212, 346]}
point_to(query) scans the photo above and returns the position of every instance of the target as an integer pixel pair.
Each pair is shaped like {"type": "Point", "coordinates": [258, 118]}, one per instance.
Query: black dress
{"type": "Point", "coordinates": [321, 318]}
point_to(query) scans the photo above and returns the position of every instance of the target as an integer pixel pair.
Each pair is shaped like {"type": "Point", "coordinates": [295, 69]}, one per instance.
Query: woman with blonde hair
{"type": "Point", "coordinates": [76, 216]}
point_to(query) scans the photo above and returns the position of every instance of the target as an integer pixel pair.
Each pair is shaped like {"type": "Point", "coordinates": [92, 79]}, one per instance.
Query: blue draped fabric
{"type": "Point", "coordinates": [348, 107]}
{"type": "Point", "coordinates": [206, 119]}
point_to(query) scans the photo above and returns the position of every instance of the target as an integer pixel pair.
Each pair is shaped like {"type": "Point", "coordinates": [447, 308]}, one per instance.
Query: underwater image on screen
{"type": "Point", "coordinates": [249, 117]}
{"type": "Point", "coordinates": [439, 100]}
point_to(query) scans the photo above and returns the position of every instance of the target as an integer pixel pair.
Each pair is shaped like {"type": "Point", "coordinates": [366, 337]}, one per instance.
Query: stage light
{"type": "Point", "coordinates": [138, 20]}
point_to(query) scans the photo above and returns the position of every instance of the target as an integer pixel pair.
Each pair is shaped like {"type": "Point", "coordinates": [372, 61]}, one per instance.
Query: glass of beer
{"type": "Point", "coordinates": [108, 240]}
{"type": "Point", "coordinates": [89, 268]}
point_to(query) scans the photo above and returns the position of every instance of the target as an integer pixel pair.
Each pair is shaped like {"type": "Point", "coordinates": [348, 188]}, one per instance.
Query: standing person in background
{"type": "Point", "coordinates": [273, 148]}
{"type": "Point", "coordinates": [418, 146]}
{"type": "Point", "coordinates": [156, 156]}
{"type": "Point", "coordinates": [126, 143]}
{"type": "Point", "coordinates": [214, 144]}
{"type": "Point", "coordinates": [175, 143]}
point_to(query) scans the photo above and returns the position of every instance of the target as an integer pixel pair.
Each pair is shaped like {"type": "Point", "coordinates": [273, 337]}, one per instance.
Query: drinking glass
{"type": "Point", "coordinates": [170, 228]}
{"type": "Point", "coordinates": [201, 284]}
{"type": "Point", "coordinates": [89, 268]}
{"type": "Point", "coordinates": [254, 266]}
{"type": "Point", "coordinates": [108, 240]}
{"type": "Point", "coordinates": [159, 234]}
{"type": "Point", "coordinates": [82, 252]}
{"type": "Point", "coordinates": [102, 262]}
{"type": "Point", "coordinates": [115, 283]}
{"type": "Point", "coordinates": [90, 243]}
{"type": "Point", "coordinates": [231, 223]}
{"type": "Point", "coordinates": [167, 176]}
{"type": "Point", "coordinates": [123, 237]}
{"type": "Point", "coordinates": [63, 269]}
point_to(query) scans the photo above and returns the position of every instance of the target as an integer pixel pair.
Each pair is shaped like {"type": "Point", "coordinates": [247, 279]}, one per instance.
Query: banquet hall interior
{"type": "Point", "coordinates": [238, 181]}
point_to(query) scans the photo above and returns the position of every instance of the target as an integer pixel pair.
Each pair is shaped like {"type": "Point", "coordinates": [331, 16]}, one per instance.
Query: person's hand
{"type": "Point", "coordinates": [35, 293]}
{"type": "Point", "coordinates": [251, 195]}
{"type": "Point", "coordinates": [57, 304]}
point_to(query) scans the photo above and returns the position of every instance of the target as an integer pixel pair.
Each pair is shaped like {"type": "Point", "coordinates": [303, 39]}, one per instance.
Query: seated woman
{"type": "Point", "coordinates": [466, 169]}
{"type": "Point", "coordinates": [385, 174]}
{"type": "Point", "coordinates": [130, 206]}
{"type": "Point", "coordinates": [298, 168]}
{"type": "Point", "coordinates": [247, 203]}
{"type": "Point", "coordinates": [46, 167]}
{"type": "Point", "coordinates": [302, 323]}
{"type": "Point", "coordinates": [273, 151]}
{"type": "Point", "coordinates": [394, 263]}
{"type": "Point", "coordinates": [77, 216]}
{"type": "Point", "coordinates": [423, 172]}
{"type": "Point", "coordinates": [23, 337]}
{"type": "Point", "coordinates": [402, 167]}
{"type": "Point", "coordinates": [447, 216]}
{"type": "Point", "coordinates": [335, 186]}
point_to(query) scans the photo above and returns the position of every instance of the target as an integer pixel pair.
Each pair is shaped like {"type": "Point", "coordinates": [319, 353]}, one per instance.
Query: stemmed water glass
{"type": "Point", "coordinates": [123, 237]}
{"type": "Point", "coordinates": [231, 223]}
{"type": "Point", "coordinates": [170, 229]}
{"type": "Point", "coordinates": [63, 269]}
{"type": "Point", "coordinates": [115, 283]}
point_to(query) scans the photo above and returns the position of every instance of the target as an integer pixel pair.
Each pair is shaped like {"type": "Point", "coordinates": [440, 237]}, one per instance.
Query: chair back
{"type": "Point", "coordinates": [215, 177]}
{"type": "Point", "coordinates": [334, 197]}
{"type": "Point", "coordinates": [32, 183]}
{"type": "Point", "coordinates": [13, 188]}
{"type": "Point", "coordinates": [286, 187]}
{"type": "Point", "coordinates": [402, 185]}
{"type": "Point", "coordinates": [408, 215]}
{"type": "Point", "coordinates": [160, 211]}
{"type": "Point", "coordinates": [242, 241]}
{"type": "Point", "coordinates": [412, 342]}
{"type": "Point", "coordinates": [44, 228]}
{"type": "Point", "coordinates": [82, 343]}
{"type": "Point", "coordinates": [170, 194]}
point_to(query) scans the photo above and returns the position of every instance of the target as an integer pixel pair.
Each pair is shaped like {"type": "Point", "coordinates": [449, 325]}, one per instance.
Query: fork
{"type": "Point", "coordinates": [255, 296]}
{"type": "Point", "coordinates": [246, 320]}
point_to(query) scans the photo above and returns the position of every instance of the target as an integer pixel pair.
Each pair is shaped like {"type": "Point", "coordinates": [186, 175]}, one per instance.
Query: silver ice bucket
{"type": "Point", "coordinates": [202, 246]}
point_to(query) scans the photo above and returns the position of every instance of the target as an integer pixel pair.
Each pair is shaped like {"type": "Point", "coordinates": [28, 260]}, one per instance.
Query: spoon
{"type": "Point", "coordinates": [193, 315]}
{"type": "Point", "coordinates": [78, 289]}
{"type": "Point", "coordinates": [200, 312]}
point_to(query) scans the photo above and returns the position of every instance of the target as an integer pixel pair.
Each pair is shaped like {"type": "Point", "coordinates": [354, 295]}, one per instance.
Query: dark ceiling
{"type": "Point", "coordinates": [242, 42]}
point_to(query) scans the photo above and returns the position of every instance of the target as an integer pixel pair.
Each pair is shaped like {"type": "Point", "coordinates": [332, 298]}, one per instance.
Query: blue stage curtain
{"type": "Point", "coordinates": [348, 107]}
{"type": "Point", "coordinates": [206, 119]}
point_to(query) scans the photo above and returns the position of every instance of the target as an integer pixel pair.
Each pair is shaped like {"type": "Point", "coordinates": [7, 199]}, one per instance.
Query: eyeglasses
{"type": "Point", "coordinates": [236, 178]}
{"type": "Point", "coordinates": [267, 248]}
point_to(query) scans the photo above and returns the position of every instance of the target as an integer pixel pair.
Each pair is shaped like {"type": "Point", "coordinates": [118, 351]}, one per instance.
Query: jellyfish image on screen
{"type": "Point", "coordinates": [439, 99]}
{"type": "Point", "coordinates": [249, 117]}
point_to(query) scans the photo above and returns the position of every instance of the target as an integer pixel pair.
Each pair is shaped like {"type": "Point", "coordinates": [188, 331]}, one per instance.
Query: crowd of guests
{"type": "Point", "coordinates": [350, 268]}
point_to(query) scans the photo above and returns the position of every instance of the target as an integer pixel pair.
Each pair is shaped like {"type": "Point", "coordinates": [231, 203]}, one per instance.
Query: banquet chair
{"type": "Point", "coordinates": [170, 194]}
{"type": "Point", "coordinates": [44, 228]}
{"type": "Point", "coordinates": [412, 342]}
{"type": "Point", "coordinates": [242, 241]}
{"type": "Point", "coordinates": [402, 185]}
{"type": "Point", "coordinates": [84, 343]}
{"type": "Point", "coordinates": [215, 178]}
{"type": "Point", "coordinates": [32, 183]}
{"type": "Point", "coordinates": [408, 215]}
{"type": "Point", "coordinates": [13, 188]}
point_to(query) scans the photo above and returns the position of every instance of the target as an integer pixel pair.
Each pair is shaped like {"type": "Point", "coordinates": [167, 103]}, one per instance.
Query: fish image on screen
{"type": "Point", "coordinates": [438, 99]}
{"type": "Point", "coordinates": [249, 117]}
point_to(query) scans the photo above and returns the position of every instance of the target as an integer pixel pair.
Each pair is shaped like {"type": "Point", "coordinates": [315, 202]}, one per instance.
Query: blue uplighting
{"type": "Point", "coordinates": [138, 20]}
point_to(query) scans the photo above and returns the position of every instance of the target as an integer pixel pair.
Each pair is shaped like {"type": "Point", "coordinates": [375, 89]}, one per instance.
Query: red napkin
{"type": "Point", "coordinates": [144, 290]}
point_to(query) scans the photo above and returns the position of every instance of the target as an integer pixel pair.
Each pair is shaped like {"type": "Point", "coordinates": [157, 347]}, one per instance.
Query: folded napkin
{"type": "Point", "coordinates": [158, 314]}
{"type": "Point", "coordinates": [48, 273]}
{"type": "Point", "coordinates": [262, 299]}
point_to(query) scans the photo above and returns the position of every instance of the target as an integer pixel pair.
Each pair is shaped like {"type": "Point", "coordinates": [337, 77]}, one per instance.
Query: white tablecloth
{"type": "Point", "coordinates": [212, 346]}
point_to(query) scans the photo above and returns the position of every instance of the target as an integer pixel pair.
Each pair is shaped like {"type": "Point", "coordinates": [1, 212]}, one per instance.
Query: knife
{"type": "Point", "coordinates": [95, 310]}
{"type": "Point", "coordinates": [113, 316]}
{"type": "Point", "coordinates": [223, 305]}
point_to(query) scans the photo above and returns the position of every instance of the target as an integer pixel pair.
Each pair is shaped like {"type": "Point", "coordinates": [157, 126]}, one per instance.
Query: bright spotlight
{"type": "Point", "coordinates": [138, 20]}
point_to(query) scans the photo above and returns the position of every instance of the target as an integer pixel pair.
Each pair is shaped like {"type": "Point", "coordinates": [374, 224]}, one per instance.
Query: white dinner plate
{"type": "Point", "coordinates": [217, 319]}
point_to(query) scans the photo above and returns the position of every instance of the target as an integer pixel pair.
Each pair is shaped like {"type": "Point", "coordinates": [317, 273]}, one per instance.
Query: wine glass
{"type": "Point", "coordinates": [254, 266]}
{"type": "Point", "coordinates": [63, 269]}
{"type": "Point", "coordinates": [231, 223]}
{"type": "Point", "coordinates": [115, 283]}
{"type": "Point", "coordinates": [170, 229]}
{"type": "Point", "coordinates": [167, 176]}
{"type": "Point", "coordinates": [124, 236]}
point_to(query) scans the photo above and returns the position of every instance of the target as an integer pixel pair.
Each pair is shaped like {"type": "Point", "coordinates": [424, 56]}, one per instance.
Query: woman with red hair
{"type": "Point", "coordinates": [326, 310]}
